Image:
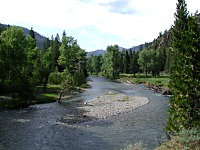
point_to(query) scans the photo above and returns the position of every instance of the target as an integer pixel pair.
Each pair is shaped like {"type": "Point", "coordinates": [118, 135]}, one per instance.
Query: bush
{"type": "Point", "coordinates": [185, 140]}
{"type": "Point", "coordinates": [55, 78]}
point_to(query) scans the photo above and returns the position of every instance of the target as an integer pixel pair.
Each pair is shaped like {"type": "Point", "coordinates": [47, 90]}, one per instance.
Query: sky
{"type": "Point", "coordinates": [95, 23]}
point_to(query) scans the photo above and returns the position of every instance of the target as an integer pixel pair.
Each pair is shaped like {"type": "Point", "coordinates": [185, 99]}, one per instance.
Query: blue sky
{"type": "Point", "coordinates": [95, 23]}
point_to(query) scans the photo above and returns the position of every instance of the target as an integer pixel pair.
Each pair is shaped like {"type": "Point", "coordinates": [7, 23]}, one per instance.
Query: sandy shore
{"type": "Point", "coordinates": [108, 105]}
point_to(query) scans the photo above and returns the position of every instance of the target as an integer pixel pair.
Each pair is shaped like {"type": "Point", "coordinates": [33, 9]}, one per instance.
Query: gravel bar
{"type": "Point", "coordinates": [112, 104]}
{"type": "Point", "coordinates": [105, 106]}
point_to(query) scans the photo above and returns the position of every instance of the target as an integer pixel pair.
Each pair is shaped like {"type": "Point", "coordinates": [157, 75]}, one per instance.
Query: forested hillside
{"type": "Point", "coordinates": [102, 52]}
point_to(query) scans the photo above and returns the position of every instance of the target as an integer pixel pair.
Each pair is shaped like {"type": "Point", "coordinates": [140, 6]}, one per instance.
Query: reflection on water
{"type": "Point", "coordinates": [38, 127]}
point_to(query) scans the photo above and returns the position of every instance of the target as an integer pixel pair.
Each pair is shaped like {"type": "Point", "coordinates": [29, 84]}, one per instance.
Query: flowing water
{"type": "Point", "coordinates": [38, 127]}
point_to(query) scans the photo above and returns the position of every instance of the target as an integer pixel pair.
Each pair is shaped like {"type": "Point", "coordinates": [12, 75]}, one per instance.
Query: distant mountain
{"type": "Point", "coordinates": [102, 52]}
{"type": "Point", "coordinates": [96, 53]}
{"type": "Point", "coordinates": [137, 48]}
{"type": "Point", "coordinates": [39, 38]}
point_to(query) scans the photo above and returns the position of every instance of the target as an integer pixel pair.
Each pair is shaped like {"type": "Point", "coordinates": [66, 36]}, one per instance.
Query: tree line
{"type": "Point", "coordinates": [23, 66]}
{"type": "Point", "coordinates": [147, 60]}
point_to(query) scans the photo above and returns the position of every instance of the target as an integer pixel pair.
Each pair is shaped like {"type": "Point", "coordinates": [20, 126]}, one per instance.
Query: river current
{"type": "Point", "coordinates": [38, 127]}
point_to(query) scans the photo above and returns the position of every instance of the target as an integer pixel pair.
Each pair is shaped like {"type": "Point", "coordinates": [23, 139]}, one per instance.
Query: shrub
{"type": "Point", "coordinates": [55, 78]}
{"type": "Point", "coordinates": [185, 140]}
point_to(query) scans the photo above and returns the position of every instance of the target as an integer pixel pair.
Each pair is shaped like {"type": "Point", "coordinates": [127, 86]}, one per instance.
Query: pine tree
{"type": "Point", "coordinates": [126, 62]}
{"type": "Point", "coordinates": [185, 84]}
{"type": "Point", "coordinates": [121, 61]}
{"type": "Point", "coordinates": [55, 51]}
{"type": "Point", "coordinates": [32, 34]}
{"type": "Point", "coordinates": [134, 63]}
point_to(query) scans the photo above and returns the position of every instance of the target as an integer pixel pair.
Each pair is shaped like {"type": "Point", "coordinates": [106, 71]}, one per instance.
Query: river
{"type": "Point", "coordinates": [38, 127]}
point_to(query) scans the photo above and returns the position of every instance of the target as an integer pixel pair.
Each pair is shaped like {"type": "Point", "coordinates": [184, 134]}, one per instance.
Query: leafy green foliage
{"type": "Point", "coordinates": [23, 66]}
{"type": "Point", "coordinates": [110, 65]}
{"type": "Point", "coordinates": [149, 61]}
{"type": "Point", "coordinates": [55, 77]}
{"type": "Point", "coordinates": [95, 64]}
{"type": "Point", "coordinates": [17, 60]}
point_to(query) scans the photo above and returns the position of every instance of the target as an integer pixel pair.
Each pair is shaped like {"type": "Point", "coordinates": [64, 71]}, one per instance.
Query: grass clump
{"type": "Point", "coordinates": [137, 146]}
{"type": "Point", "coordinates": [125, 99]}
{"type": "Point", "coordinates": [45, 98]}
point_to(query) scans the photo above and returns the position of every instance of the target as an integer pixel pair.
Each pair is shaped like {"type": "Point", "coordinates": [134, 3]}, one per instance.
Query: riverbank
{"type": "Point", "coordinates": [105, 106]}
{"type": "Point", "coordinates": [10, 101]}
{"type": "Point", "coordinates": [158, 84]}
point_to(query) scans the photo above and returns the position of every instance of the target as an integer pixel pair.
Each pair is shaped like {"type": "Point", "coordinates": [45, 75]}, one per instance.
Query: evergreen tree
{"type": "Point", "coordinates": [2, 28]}
{"type": "Point", "coordinates": [185, 84]}
{"type": "Point", "coordinates": [121, 61]}
{"type": "Point", "coordinates": [126, 62]}
{"type": "Point", "coordinates": [55, 52]}
{"type": "Point", "coordinates": [99, 63]}
{"type": "Point", "coordinates": [89, 64]}
{"type": "Point", "coordinates": [32, 34]}
{"type": "Point", "coordinates": [130, 56]}
{"type": "Point", "coordinates": [134, 63]}
{"type": "Point", "coordinates": [58, 37]}
{"type": "Point", "coordinates": [154, 62]}
{"type": "Point", "coordinates": [168, 60]}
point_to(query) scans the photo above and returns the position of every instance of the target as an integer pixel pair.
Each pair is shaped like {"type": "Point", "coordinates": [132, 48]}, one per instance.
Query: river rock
{"type": "Point", "coordinates": [166, 91]}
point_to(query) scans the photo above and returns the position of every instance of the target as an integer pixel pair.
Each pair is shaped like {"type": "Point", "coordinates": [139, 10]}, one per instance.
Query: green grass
{"type": "Point", "coordinates": [49, 89]}
{"type": "Point", "coordinates": [45, 98]}
{"type": "Point", "coordinates": [125, 99]}
{"type": "Point", "coordinates": [162, 80]}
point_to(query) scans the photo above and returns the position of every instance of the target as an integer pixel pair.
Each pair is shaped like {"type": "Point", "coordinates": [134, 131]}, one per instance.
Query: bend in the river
{"type": "Point", "coordinates": [38, 126]}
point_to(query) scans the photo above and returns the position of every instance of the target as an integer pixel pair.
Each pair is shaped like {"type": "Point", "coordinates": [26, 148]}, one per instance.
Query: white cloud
{"type": "Point", "coordinates": [126, 23]}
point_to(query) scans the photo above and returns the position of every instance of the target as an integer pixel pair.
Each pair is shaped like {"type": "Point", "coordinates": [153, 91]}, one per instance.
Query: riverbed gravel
{"type": "Point", "coordinates": [107, 105]}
